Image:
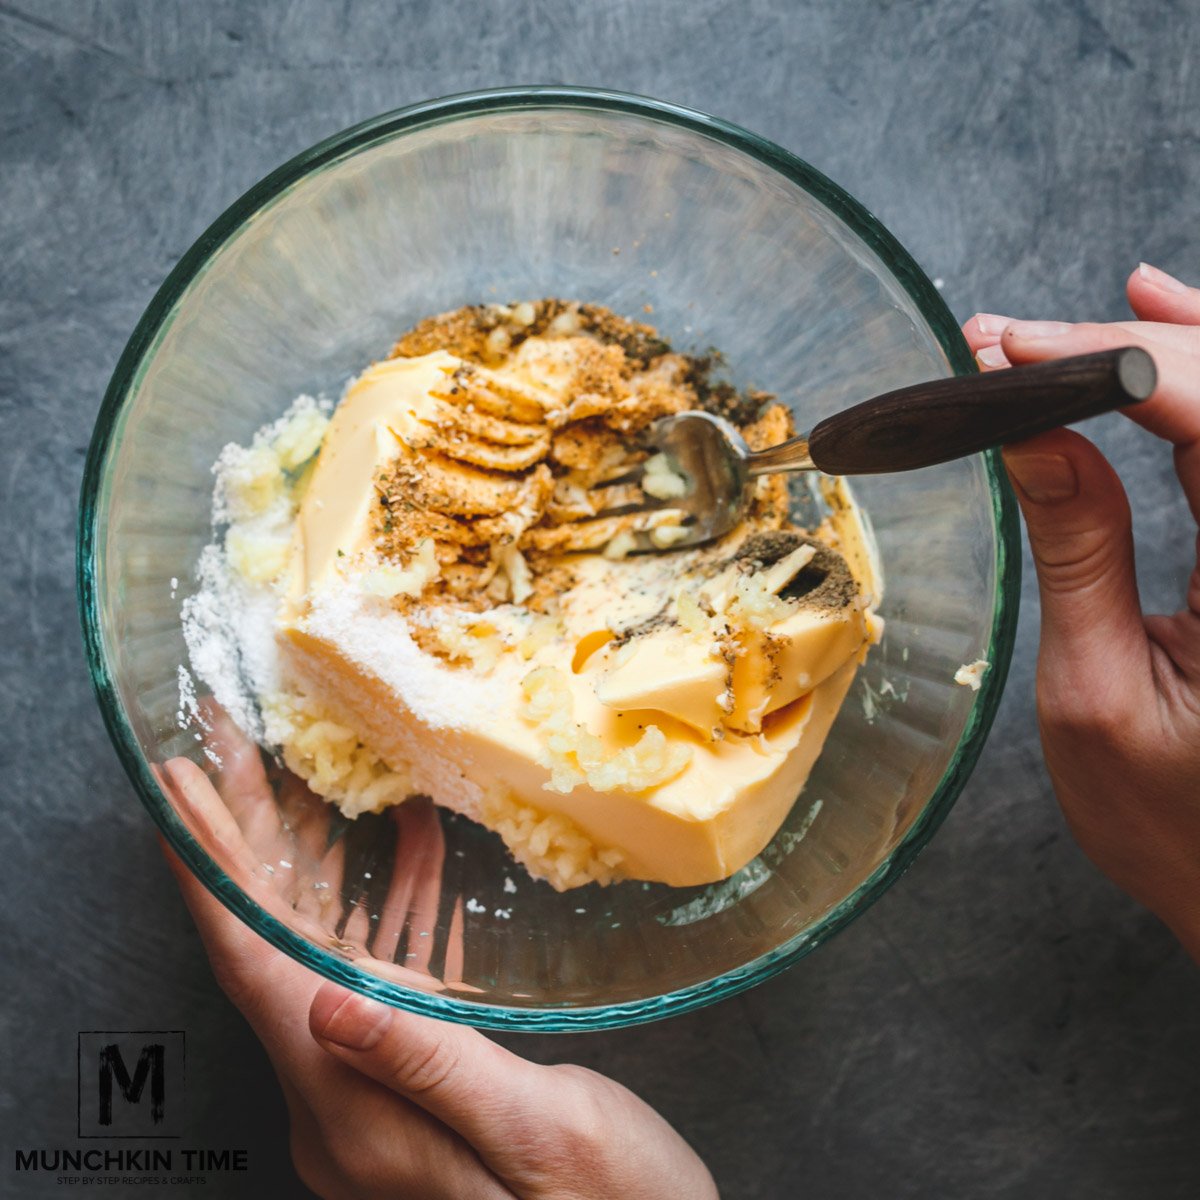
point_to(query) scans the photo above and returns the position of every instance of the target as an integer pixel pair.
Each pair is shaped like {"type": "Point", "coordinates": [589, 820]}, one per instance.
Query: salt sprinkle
{"type": "Point", "coordinates": [228, 623]}
{"type": "Point", "coordinates": [509, 886]}
{"type": "Point", "coordinates": [372, 635]}
{"type": "Point", "coordinates": [229, 630]}
{"type": "Point", "coordinates": [189, 707]}
{"type": "Point", "coordinates": [473, 906]}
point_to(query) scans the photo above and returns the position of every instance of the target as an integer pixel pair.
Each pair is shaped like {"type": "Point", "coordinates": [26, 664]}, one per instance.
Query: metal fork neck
{"type": "Point", "coordinates": [791, 455]}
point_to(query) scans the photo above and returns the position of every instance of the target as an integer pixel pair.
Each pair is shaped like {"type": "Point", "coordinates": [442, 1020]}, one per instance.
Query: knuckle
{"type": "Point", "coordinates": [1102, 336]}
{"type": "Point", "coordinates": [1083, 717]}
{"type": "Point", "coordinates": [1075, 563]}
{"type": "Point", "coordinates": [427, 1067]}
{"type": "Point", "coordinates": [241, 986]}
{"type": "Point", "coordinates": [584, 1132]}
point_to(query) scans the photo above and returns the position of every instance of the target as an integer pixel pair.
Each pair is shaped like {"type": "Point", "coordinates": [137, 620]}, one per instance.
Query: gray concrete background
{"type": "Point", "coordinates": [1004, 1023]}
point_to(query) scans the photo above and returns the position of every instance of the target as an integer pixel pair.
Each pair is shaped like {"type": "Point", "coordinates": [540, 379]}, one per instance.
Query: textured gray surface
{"type": "Point", "coordinates": [1004, 1023]}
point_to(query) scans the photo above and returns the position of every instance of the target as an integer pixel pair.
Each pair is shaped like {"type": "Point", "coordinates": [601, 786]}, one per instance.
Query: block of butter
{"type": "Point", "coordinates": [455, 618]}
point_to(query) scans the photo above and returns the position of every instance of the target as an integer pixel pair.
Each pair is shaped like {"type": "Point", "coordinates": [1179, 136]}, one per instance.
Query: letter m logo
{"type": "Point", "coordinates": [151, 1064]}
{"type": "Point", "coordinates": [130, 1083]}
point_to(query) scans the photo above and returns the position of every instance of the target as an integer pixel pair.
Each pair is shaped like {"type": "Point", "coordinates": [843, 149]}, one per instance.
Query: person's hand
{"type": "Point", "coordinates": [1118, 693]}
{"type": "Point", "coordinates": [384, 1103]}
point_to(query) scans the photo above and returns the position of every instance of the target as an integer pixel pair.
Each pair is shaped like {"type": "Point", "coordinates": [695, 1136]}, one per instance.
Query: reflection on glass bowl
{"type": "Point", "coordinates": [517, 194]}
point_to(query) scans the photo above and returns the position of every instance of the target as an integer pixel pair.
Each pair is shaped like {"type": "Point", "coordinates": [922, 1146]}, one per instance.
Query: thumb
{"type": "Point", "coordinates": [1081, 536]}
{"type": "Point", "coordinates": [452, 1071]}
{"type": "Point", "coordinates": [539, 1129]}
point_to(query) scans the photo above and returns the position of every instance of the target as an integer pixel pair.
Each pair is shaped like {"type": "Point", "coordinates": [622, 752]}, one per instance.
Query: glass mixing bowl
{"type": "Point", "coordinates": [642, 206]}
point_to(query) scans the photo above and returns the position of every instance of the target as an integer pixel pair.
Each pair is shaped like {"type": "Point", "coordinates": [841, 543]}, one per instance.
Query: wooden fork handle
{"type": "Point", "coordinates": [934, 422]}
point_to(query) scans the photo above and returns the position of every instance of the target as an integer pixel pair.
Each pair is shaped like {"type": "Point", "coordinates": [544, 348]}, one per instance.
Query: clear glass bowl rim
{"type": "Point", "coordinates": [141, 346]}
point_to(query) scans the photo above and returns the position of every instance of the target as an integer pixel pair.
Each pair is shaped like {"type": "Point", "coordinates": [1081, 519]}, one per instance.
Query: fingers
{"type": "Point", "coordinates": [1157, 333]}
{"type": "Point", "coordinates": [351, 1137]}
{"type": "Point", "coordinates": [1156, 296]}
{"type": "Point", "coordinates": [990, 353]}
{"type": "Point", "coordinates": [1172, 412]}
{"type": "Point", "coordinates": [224, 936]}
{"type": "Point", "coordinates": [245, 790]}
{"type": "Point", "coordinates": [209, 821]}
{"type": "Point", "coordinates": [559, 1131]}
{"type": "Point", "coordinates": [271, 990]}
{"type": "Point", "coordinates": [1093, 639]}
{"type": "Point", "coordinates": [453, 1072]}
{"type": "Point", "coordinates": [414, 888]}
{"type": "Point", "coordinates": [243, 780]}
{"type": "Point", "coordinates": [983, 332]}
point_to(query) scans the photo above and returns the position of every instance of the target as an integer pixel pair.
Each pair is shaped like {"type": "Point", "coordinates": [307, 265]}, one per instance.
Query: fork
{"type": "Point", "coordinates": [917, 426]}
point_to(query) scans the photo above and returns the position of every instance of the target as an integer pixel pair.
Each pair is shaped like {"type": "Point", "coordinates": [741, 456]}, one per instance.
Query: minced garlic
{"type": "Point", "coordinates": [661, 481]}
{"type": "Point", "coordinates": [252, 481]}
{"type": "Point", "coordinates": [330, 757]}
{"type": "Point", "coordinates": [389, 580]}
{"type": "Point", "coordinates": [550, 845]}
{"type": "Point", "coordinates": [257, 557]}
{"type": "Point", "coordinates": [574, 756]}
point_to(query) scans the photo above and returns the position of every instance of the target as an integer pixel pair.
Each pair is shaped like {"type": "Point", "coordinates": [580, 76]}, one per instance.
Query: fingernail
{"type": "Point", "coordinates": [1043, 478]}
{"type": "Point", "coordinates": [1032, 330]}
{"type": "Point", "coordinates": [991, 325]}
{"type": "Point", "coordinates": [349, 1019]}
{"type": "Point", "coordinates": [1161, 280]}
{"type": "Point", "coordinates": [992, 356]}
